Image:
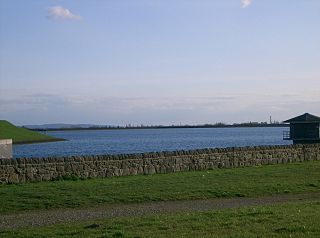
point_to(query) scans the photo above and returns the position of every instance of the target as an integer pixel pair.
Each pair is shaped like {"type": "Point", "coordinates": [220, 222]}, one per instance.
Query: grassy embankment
{"type": "Point", "coordinates": [238, 182]}
{"type": "Point", "coordinates": [287, 220]}
{"type": "Point", "coordinates": [22, 135]}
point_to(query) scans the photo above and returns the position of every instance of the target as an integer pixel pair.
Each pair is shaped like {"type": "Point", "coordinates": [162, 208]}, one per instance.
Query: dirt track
{"type": "Point", "coordinates": [48, 217]}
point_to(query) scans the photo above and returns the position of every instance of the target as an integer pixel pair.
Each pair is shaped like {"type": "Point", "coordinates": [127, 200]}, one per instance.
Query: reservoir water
{"type": "Point", "coordinates": [95, 142]}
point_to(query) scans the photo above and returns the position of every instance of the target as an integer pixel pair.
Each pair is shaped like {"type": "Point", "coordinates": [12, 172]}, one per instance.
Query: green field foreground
{"type": "Point", "coordinates": [238, 182]}
{"type": "Point", "coordinates": [287, 220]}
{"type": "Point", "coordinates": [22, 135]}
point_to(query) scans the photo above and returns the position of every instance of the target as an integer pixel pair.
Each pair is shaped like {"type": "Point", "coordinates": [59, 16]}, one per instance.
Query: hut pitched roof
{"type": "Point", "coordinates": [304, 118]}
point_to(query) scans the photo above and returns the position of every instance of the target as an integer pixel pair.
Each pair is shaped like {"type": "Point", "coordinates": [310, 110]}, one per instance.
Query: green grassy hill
{"type": "Point", "coordinates": [22, 135]}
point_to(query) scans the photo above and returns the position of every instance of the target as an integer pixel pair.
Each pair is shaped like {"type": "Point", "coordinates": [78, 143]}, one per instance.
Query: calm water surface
{"type": "Point", "coordinates": [90, 142]}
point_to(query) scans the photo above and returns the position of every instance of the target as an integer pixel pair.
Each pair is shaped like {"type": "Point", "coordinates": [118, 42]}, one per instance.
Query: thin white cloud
{"type": "Point", "coordinates": [61, 13]}
{"type": "Point", "coordinates": [246, 3]}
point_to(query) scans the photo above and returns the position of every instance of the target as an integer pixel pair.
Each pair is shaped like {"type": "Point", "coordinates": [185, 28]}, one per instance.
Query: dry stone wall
{"type": "Point", "coordinates": [43, 169]}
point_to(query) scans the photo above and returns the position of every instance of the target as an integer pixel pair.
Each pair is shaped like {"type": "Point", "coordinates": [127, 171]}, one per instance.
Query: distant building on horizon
{"type": "Point", "coordinates": [304, 129]}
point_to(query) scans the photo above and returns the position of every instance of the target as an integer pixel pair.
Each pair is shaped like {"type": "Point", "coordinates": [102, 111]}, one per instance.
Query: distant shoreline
{"type": "Point", "coordinates": [161, 127]}
{"type": "Point", "coordinates": [38, 141]}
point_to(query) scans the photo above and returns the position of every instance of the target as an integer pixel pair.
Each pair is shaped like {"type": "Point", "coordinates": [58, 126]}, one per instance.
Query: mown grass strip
{"type": "Point", "coordinates": [287, 220]}
{"type": "Point", "coordinates": [238, 182]}
{"type": "Point", "coordinates": [22, 135]}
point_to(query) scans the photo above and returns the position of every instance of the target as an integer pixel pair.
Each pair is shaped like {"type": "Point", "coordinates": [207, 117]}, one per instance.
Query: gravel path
{"type": "Point", "coordinates": [48, 217]}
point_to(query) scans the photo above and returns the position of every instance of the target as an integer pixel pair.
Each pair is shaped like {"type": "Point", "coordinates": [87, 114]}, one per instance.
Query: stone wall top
{"type": "Point", "coordinates": [148, 155]}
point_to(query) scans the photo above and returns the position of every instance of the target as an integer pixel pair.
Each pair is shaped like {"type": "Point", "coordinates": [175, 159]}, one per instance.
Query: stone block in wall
{"type": "Point", "coordinates": [149, 169]}
{"type": "Point", "coordinates": [177, 168]}
{"type": "Point", "coordinates": [6, 149]}
{"type": "Point", "coordinates": [46, 177]}
{"type": "Point", "coordinates": [37, 178]}
{"type": "Point", "coordinates": [133, 171]}
{"type": "Point", "coordinates": [170, 169]}
{"type": "Point", "coordinates": [13, 178]}
{"type": "Point", "coordinates": [21, 178]}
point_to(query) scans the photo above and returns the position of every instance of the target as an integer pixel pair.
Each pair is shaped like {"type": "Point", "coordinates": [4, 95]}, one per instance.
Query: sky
{"type": "Point", "coordinates": [157, 62]}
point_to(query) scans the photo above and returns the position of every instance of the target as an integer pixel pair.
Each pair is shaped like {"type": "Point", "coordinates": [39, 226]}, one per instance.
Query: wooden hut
{"type": "Point", "coordinates": [304, 129]}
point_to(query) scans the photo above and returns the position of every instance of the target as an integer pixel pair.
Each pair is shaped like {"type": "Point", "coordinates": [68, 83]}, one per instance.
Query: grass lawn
{"type": "Point", "coordinates": [238, 182]}
{"type": "Point", "coordinates": [21, 135]}
{"type": "Point", "coordinates": [286, 220]}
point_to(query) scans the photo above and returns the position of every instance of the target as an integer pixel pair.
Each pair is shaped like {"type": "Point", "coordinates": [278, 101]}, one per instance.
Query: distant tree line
{"type": "Point", "coordinates": [141, 126]}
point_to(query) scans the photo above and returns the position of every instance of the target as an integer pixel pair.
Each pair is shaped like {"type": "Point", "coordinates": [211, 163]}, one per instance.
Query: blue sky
{"type": "Point", "coordinates": [158, 61]}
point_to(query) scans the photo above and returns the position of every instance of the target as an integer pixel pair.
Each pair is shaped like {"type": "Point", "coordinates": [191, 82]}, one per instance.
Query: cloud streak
{"type": "Point", "coordinates": [61, 13]}
{"type": "Point", "coordinates": [246, 3]}
{"type": "Point", "coordinates": [155, 109]}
